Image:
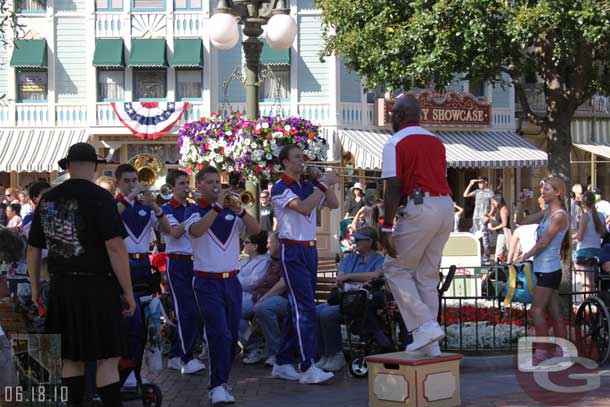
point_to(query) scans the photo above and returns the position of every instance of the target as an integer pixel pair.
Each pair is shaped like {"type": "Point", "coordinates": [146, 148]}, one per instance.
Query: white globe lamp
{"type": "Point", "coordinates": [281, 30]}
{"type": "Point", "coordinates": [224, 33]}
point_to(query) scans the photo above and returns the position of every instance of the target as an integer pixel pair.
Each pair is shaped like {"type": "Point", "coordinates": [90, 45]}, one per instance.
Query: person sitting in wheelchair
{"type": "Point", "coordinates": [364, 264]}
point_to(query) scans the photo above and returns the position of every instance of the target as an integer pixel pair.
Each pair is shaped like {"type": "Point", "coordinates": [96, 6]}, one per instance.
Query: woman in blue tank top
{"type": "Point", "coordinates": [551, 249]}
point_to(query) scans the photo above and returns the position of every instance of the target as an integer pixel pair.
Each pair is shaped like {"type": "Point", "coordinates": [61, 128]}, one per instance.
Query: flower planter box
{"type": "Point", "coordinates": [397, 379]}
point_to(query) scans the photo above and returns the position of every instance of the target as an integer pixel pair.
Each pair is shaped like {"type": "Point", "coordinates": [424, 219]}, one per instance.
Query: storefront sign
{"type": "Point", "coordinates": [448, 110]}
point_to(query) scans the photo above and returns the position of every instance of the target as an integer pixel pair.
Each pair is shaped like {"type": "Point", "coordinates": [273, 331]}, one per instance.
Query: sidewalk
{"type": "Point", "coordinates": [486, 382]}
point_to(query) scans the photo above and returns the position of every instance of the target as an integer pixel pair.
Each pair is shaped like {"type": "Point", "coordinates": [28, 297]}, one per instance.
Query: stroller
{"type": "Point", "coordinates": [372, 316]}
{"type": "Point", "coordinates": [146, 287]}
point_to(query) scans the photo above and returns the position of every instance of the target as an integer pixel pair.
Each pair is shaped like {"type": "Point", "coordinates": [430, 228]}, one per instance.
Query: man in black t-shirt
{"type": "Point", "coordinates": [267, 218]}
{"type": "Point", "coordinates": [78, 223]}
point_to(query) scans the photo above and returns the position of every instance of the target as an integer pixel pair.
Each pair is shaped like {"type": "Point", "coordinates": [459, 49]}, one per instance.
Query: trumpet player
{"type": "Point", "coordinates": [180, 276]}
{"type": "Point", "coordinates": [295, 204]}
{"type": "Point", "coordinates": [215, 231]}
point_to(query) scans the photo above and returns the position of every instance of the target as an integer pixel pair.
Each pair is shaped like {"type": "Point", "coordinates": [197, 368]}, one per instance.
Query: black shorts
{"type": "Point", "coordinates": [549, 280]}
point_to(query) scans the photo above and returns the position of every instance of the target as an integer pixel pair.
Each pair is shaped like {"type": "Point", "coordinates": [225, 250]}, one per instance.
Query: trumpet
{"type": "Point", "coordinates": [245, 199]}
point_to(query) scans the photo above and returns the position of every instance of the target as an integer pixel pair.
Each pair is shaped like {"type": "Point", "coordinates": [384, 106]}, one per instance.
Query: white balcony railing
{"type": "Point", "coordinates": [318, 113]}
{"type": "Point", "coordinates": [356, 114]}
{"type": "Point", "coordinates": [105, 116]}
{"type": "Point", "coordinates": [70, 115]}
{"type": "Point", "coordinates": [188, 25]}
{"type": "Point", "coordinates": [194, 111]}
{"type": "Point", "coordinates": [109, 25]}
{"type": "Point", "coordinates": [503, 119]}
{"type": "Point", "coordinates": [33, 115]}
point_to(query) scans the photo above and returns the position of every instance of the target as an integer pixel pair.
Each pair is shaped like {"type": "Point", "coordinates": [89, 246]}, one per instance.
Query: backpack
{"type": "Point", "coordinates": [520, 284]}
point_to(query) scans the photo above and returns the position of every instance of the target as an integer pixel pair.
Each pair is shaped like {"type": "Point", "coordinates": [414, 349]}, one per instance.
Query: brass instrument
{"type": "Point", "coordinates": [341, 170]}
{"type": "Point", "coordinates": [245, 199]}
{"type": "Point", "coordinates": [166, 191]}
{"type": "Point", "coordinates": [149, 167]}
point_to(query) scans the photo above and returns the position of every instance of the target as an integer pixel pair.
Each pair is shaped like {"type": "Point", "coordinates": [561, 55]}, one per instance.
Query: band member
{"type": "Point", "coordinates": [415, 171]}
{"type": "Point", "coordinates": [295, 204]}
{"type": "Point", "coordinates": [180, 277]}
{"type": "Point", "coordinates": [78, 222]}
{"type": "Point", "coordinates": [215, 231]}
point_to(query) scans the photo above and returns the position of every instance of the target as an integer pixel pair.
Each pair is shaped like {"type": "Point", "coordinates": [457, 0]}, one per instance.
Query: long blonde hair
{"type": "Point", "coordinates": [560, 186]}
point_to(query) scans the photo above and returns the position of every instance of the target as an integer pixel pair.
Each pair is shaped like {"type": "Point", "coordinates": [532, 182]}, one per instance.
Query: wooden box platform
{"type": "Point", "coordinates": [397, 379]}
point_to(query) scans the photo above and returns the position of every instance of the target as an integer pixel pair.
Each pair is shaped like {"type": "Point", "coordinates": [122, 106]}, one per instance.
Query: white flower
{"type": "Point", "coordinates": [287, 127]}
{"type": "Point", "coordinates": [268, 156]}
{"type": "Point", "coordinates": [228, 132]}
{"type": "Point", "coordinates": [278, 134]}
{"type": "Point", "coordinates": [265, 125]}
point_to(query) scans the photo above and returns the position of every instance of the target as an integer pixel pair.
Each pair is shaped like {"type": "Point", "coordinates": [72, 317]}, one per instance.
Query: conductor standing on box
{"type": "Point", "coordinates": [415, 173]}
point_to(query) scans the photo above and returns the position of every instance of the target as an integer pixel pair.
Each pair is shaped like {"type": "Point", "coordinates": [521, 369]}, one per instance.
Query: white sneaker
{"type": "Point", "coordinates": [220, 394]}
{"type": "Point", "coordinates": [256, 356]}
{"type": "Point", "coordinates": [174, 363]}
{"type": "Point", "coordinates": [428, 332]}
{"type": "Point", "coordinates": [193, 366]}
{"type": "Point", "coordinates": [270, 361]}
{"type": "Point", "coordinates": [334, 363]}
{"type": "Point", "coordinates": [286, 372]}
{"type": "Point", "coordinates": [432, 349]}
{"type": "Point", "coordinates": [131, 381]}
{"type": "Point", "coordinates": [314, 375]}
{"type": "Point", "coordinates": [320, 363]}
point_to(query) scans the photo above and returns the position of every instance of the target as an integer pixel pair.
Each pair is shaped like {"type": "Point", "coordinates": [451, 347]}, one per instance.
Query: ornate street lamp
{"type": "Point", "coordinates": [252, 14]}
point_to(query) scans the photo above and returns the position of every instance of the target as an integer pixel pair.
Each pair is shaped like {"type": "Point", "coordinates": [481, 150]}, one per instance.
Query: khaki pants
{"type": "Point", "coordinates": [420, 236]}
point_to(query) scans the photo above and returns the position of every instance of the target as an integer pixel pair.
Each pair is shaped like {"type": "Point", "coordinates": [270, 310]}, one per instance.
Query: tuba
{"type": "Point", "coordinates": [149, 167]}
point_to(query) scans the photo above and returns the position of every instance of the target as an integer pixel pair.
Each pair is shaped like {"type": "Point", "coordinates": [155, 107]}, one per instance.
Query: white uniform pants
{"type": "Point", "coordinates": [420, 235]}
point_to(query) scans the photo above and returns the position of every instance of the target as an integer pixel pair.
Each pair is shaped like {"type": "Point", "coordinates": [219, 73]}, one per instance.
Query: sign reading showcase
{"type": "Point", "coordinates": [447, 110]}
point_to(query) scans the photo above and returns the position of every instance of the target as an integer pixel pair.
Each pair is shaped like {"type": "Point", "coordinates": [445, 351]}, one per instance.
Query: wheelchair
{"type": "Point", "coordinates": [592, 325]}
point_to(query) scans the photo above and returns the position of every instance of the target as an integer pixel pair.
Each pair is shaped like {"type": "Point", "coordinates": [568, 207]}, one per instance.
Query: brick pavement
{"type": "Point", "coordinates": [486, 382]}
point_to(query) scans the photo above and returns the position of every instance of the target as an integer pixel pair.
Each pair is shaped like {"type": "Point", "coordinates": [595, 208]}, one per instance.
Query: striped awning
{"type": "Point", "coordinates": [597, 149]}
{"type": "Point", "coordinates": [36, 150]}
{"type": "Point", "coordinates": [464, 149]}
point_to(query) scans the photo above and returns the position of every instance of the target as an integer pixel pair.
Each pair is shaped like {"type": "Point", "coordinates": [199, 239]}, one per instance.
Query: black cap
{"type": "Point", "coordinates": [80, 152]}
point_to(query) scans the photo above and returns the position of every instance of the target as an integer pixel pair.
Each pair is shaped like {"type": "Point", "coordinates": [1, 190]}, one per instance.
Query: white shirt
{"type": "Point", "coordinates": [252, 271]}
{"type": "Point", "coordinates": [217, 250]}
{"type": "Point", "coordinates": [293, 225]}
{"type": "Point", "coordinates": [175, 213]}
{"type": "Point", "coordinates": [139, 221]}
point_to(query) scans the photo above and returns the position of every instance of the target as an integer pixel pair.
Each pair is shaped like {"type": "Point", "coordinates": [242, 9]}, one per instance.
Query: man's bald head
{"type": "Point", "coordinates": [405, 110]}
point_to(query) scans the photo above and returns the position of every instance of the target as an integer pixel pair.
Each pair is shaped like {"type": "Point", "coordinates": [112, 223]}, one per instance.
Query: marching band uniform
{"type": "Point", "coordinates": [180, 277]}
{"type": "Point", "coordinates": [299, 259]}
{"type": "Point", "coordinates": [216, 286]}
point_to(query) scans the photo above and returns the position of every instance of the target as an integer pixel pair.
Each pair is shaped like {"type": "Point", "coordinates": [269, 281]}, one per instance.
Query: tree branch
{"type": "Point", "coordinates": [522, 96]}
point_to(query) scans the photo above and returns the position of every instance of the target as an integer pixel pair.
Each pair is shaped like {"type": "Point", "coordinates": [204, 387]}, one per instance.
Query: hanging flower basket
{"type": "Point", "coordinates": [249, 147]}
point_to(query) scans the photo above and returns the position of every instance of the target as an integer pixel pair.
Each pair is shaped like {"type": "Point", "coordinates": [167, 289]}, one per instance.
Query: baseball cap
{"type": "Point", "coordinates": [365, 233]}
{"type": "Point", "coordinates": [80, 152]}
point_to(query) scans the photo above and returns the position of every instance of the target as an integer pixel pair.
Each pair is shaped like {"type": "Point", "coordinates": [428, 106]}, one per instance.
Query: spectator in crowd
{"type": "Point", "coordinates": [3, 204]}
{"type": "Point", "coordinates": [12, 215]}
{"type": "Point", "coordinates": [524, 237]}
{"type": "Point", "coordinates": [355, 202]}
{"type": "Point", "coordinates": [358, 267]}
{"type": "Point", "coordinates": [26, 204]}
{"type": "Point", "coordinates": [482, 203]}
{"type": "Point", "coordinates": [11, 195]}
{"type": "Point", "coordinates": [107, 183]}
{"type": "Point", "coordinates": [270, 304]}
{"type": "Point", "coordinates": [601, 204]}
{"type": "Point", "coordinates": [575, 209]}
{"type": "Point", "coordinates": [267, 218]}
{"type": "Point", "coordinates": [367, 215]}
{"type": "Point", "coordinates": [252, 271]}
{"type": "Point", "coordinates": [457, 216]}
{"type": "Point", "coordinates": [499, 223]}
{"type": "Point", "coordinates": [36, 192]}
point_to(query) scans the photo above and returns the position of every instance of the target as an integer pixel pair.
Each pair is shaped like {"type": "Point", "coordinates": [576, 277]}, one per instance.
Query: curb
{"type": "Point", "coordinates": [487, 363]}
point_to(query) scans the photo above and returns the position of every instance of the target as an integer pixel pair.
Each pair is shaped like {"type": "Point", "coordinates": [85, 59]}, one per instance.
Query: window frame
{"type": "Point", "coordinates": [162, 8]}
{"type": "Point", "coordinates": [110, 8]}
{"type": "Point", "coordinates": [97, 84]}
{"type": "Point", "coordinates": [19, 98]}
{"type": "Point", "coordinates": [188, 7]}
{"type": "Point", "coordinates": [284, 68]}
{"type": "Point", "coordinates": [135, 97]}
{"type": "Point", "coordinates": [30, 11]}
{"type": "Point", "coordinates": [177, 88]}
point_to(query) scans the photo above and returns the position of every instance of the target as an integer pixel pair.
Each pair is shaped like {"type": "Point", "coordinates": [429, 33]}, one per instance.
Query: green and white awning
{"type": "Point", "coordinates": [269, 56]}
{"type": "Point", "coordinates": [464, 149]}
{"type": "Point", "coordinates": [36, 150]}
{"type": "Point", "coordinates": [109, 53]}
{"type": "Point", "coordinates": [188, 53]}
{"type": "Point", "coordinates": [29, 54]}
{"type": "Point", "coordinates": [148, 53]}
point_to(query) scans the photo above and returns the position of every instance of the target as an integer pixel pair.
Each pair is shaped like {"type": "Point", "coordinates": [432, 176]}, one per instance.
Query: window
{"type": "Point", "coordinates": [109, 5]}
{"type": "Point", "coordinates": [150, 5]}
{"type": "Point", "coordinates": [150, 84]}
{"type": "Point", "coordinates": [187, 4]}
{"type": "Point", "coordinates": [278, 85]}
{"type": "Point", "coordinates": [31, 86]}
{"type": "Point", "coordinates": [109, 85]}
{"type": "Point", "coordinates": [31, 5]}
{"type": "Point", "coordinates": [477, 88]}
{"type": "Point", "coordinates": [189, 84]}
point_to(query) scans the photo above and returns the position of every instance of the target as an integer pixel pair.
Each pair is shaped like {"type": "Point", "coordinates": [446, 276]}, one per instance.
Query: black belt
{"type": "Point", "coordinates": [81, 274]}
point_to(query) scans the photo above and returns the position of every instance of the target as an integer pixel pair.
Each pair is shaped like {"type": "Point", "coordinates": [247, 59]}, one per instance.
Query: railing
{"type": "Point", "coordinates": [265, 108]}
{"type": "Point", "coordinates": [356, 114]}
{"type": "Point", "coordinates": [193, 112]}
{"type": "Point", "coordinates": [5, 113]}
{"type": "Point", "coordinates": [33, 115]}
{"type": "Point", "coordinates": [109, 25]}
{"type": "Point", "coordinates": [188, 25]}
{"type": "Point", "coordinates": [105, 116]}
{"type": "Point", "coordinates": [537, 102]}
{"type": "Point", "coordinates": [71, 115]}
{"type": "Point", "coordinates": [503, 119]}
{"type": "Point", "coordinates": [318, 113]}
